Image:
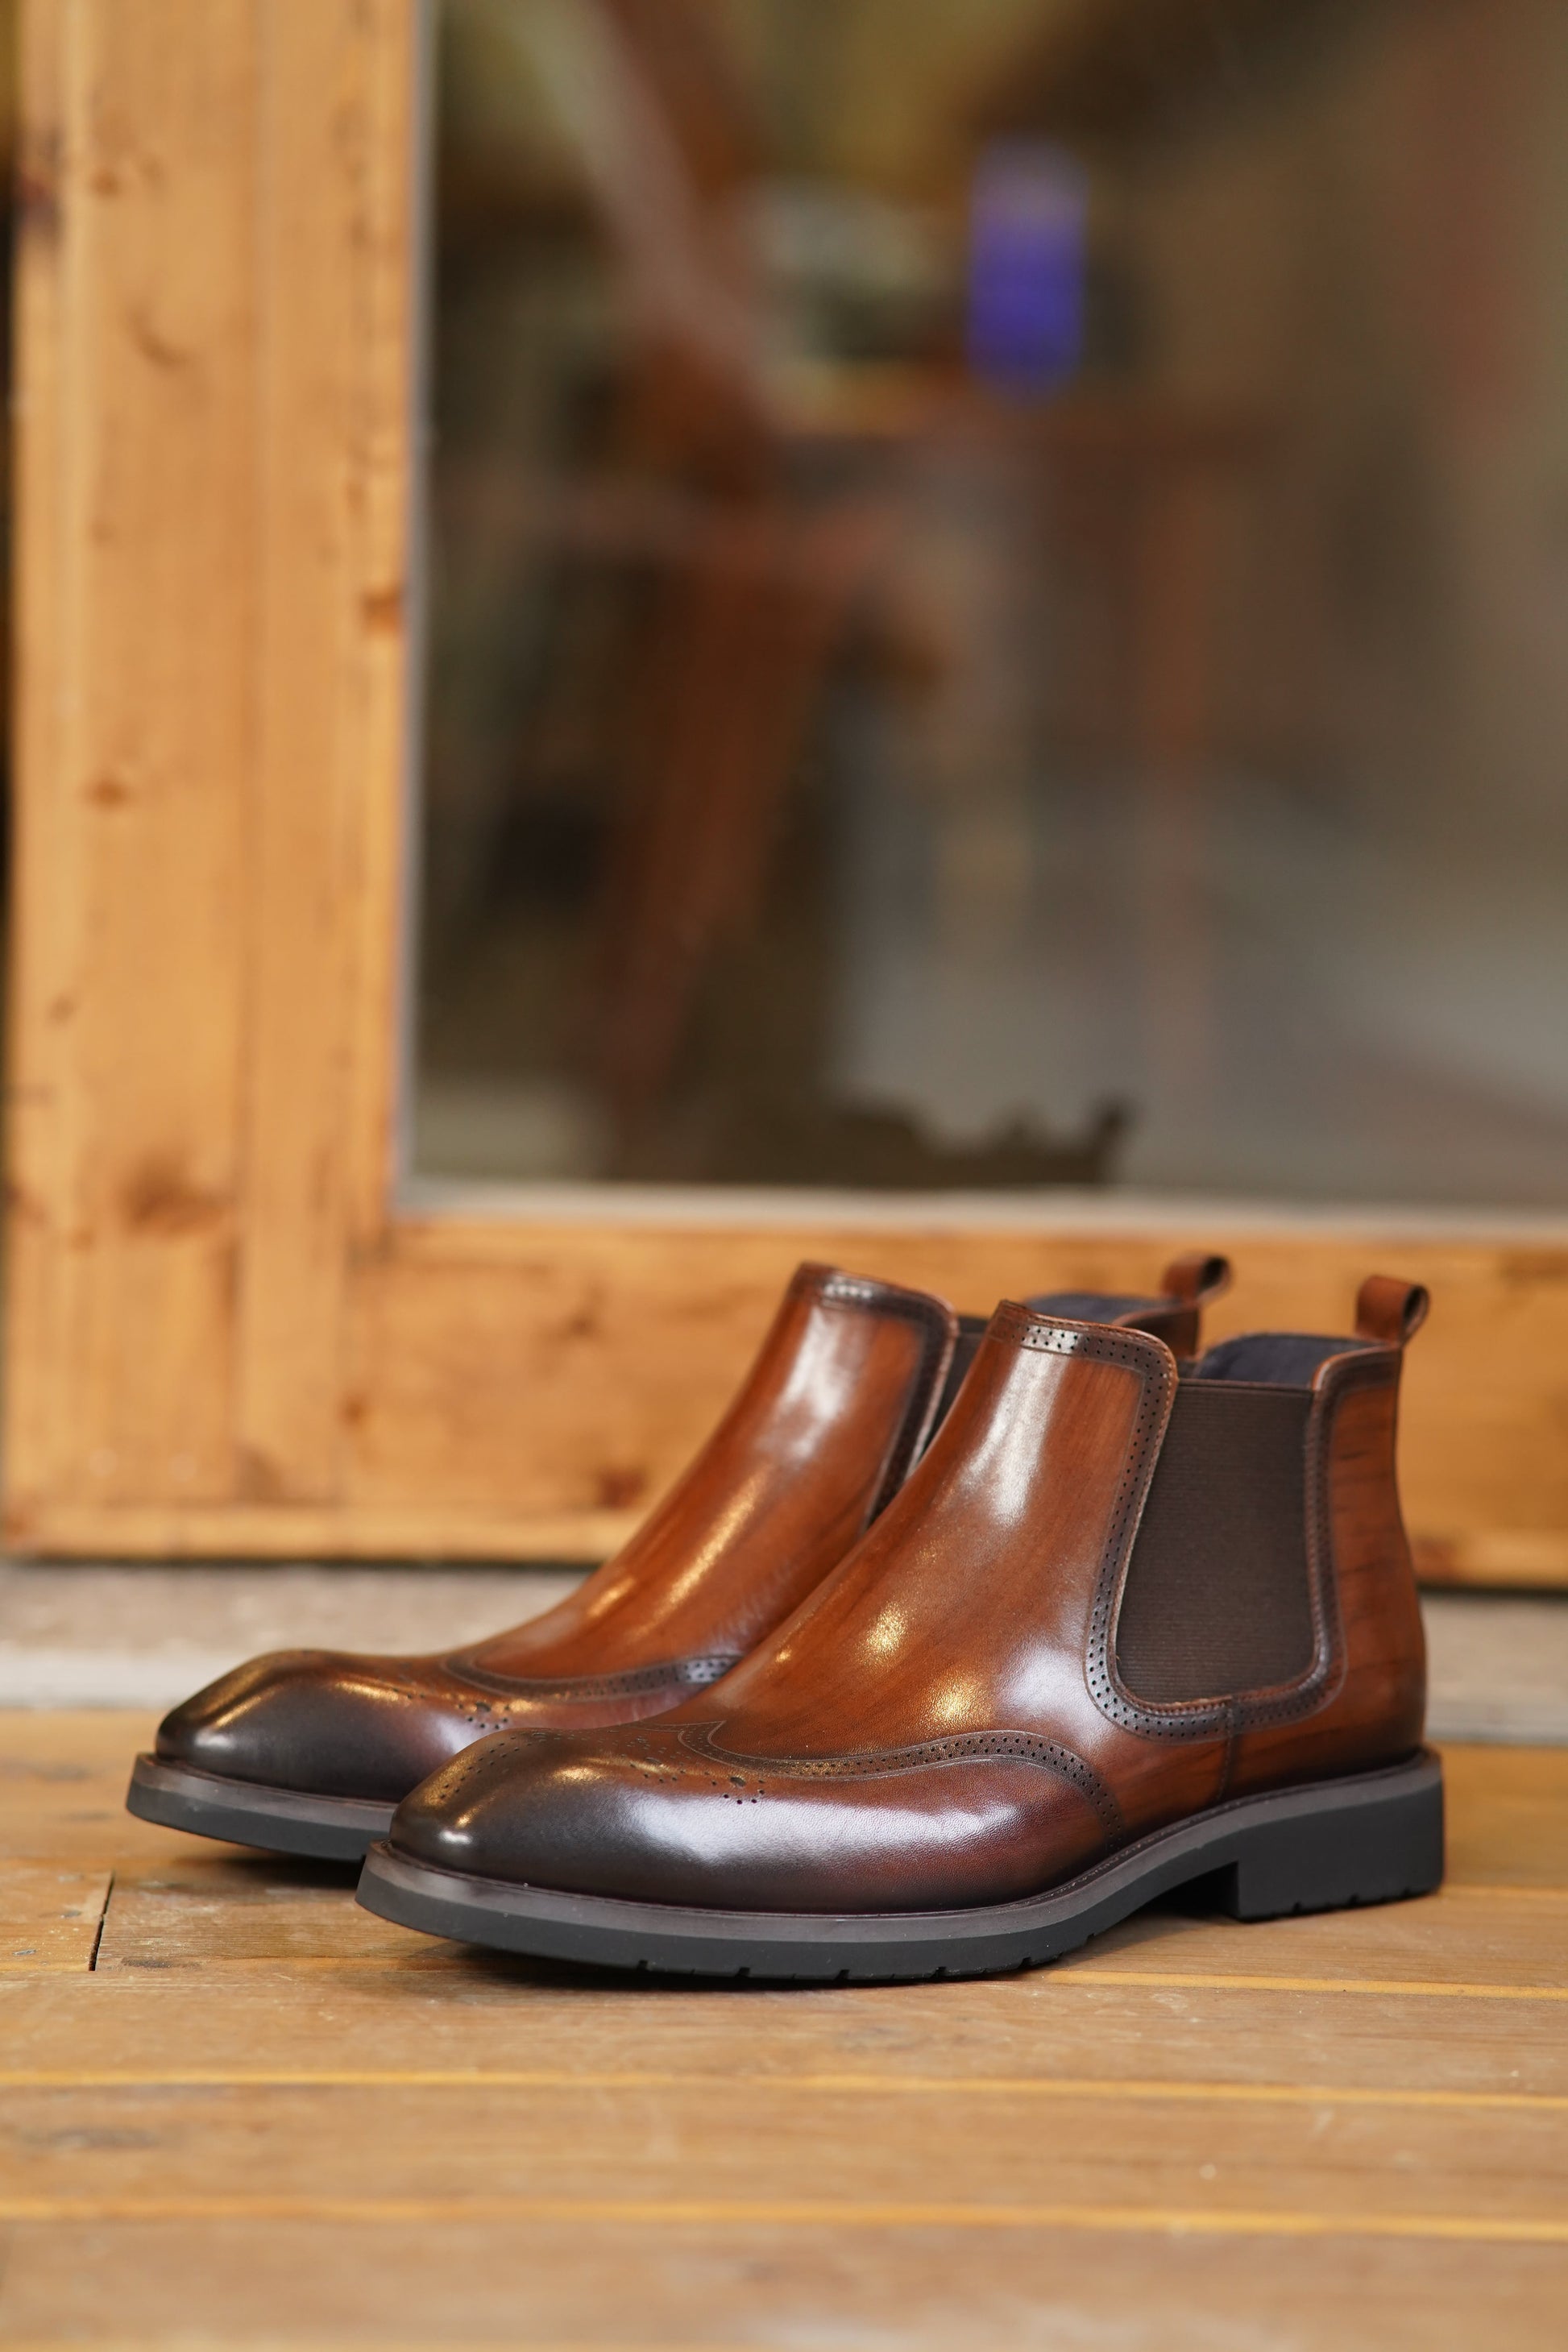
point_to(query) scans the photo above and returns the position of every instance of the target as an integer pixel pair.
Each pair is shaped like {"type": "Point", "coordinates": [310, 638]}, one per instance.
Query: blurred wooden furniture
{"type": "Point", "coordinates": [1138, 493]}
{"type": "Point", "coordinates": [720, 699]}
{"type": "Point", "coordinates": [1106, 70]}
{"type": "Point", "coordinates": [741, 602]}
{"type": "Point", "coordinates": [232, 1328]}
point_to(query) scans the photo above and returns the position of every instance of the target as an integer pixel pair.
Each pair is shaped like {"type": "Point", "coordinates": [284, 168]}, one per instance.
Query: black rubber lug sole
{"type": "Point", "coordinates": [1375, 1838]}
{"type": "Point", "coordinates": [245, 1813]}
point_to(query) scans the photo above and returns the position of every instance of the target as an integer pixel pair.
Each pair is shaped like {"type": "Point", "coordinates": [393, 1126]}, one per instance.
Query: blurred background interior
{"type": "Point", "coordinates": [997, 597]}
{"type": "Point", "coordinates": [996, 584]}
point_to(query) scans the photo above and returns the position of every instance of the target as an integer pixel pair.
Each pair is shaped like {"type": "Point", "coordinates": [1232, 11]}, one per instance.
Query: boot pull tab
{"type": "Point", "coordinates": [1390, 1311]}
{"type": "Point", "coordinates": [1195, 1278]}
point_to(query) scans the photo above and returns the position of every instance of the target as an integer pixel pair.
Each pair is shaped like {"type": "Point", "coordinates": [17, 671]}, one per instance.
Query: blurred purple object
{"type": "Point", "coordinates": [1028, 235]}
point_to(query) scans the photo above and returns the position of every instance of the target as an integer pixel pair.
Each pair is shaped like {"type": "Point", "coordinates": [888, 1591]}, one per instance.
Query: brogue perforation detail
{"type": "Point", "coordinates": [476, 1765]}
{"type": "Point", "coordinates": [675, 1674]}
{"type": "Point", "coordinates": [959, 1748]}
{"type": "Point", "coordinates": [1101, 1345]}
{"type": "Point", "coordinates": [484, 1714]}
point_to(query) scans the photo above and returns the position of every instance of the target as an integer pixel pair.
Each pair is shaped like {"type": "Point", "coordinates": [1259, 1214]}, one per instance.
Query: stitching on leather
{"type": "Point", "coordinates": [1102, 1343]}
{"type": "Point", "coordinates": [965, 1746]}
{"type": "Point", "coordinates": [675, 1674]}
{"type": "Point", "coordinates": [485, 1757]}
{"type": "Point", "coordinates": [1151, 1360]}
{"type": "Point", "coordinates": [925, 1390]}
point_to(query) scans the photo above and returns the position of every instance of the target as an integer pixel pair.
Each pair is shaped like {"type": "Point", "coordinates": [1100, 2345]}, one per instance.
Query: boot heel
{"type": "Point", "coordinates": [1385, 1847]}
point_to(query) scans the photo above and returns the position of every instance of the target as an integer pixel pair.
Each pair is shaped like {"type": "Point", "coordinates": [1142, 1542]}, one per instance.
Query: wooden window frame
{"type": "Point", "coordinates": [232, 1330]}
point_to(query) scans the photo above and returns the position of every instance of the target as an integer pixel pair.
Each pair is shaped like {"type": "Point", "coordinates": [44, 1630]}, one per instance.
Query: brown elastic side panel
{"type": "Point", "coordinates": [1180, 1328]}
{"type": "Point", "coordinates": [1218, 1600]}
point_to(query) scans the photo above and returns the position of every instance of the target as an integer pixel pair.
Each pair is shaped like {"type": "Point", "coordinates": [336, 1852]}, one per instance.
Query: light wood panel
{"type": "Point", "coordinates": [136, 378]}
{"type": "Point", "coordinates": [255, 2121]}
{"type": "Point", "coordinates": [461, 1318]}
{"type": "Point", "coordinates": [332, 120]}
{"type": "Point", "coordinates": [226, 1333]}
{"type": "Point", "coordinates": [215, 295]}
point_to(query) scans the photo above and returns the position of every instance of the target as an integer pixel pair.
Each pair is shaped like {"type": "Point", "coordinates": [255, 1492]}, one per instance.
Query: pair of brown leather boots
{"type": "Point", "coordinates": [957, 1643]}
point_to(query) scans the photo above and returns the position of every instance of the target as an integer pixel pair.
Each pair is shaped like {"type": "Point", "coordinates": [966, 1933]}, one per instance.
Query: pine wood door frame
{"type": "Point", "coordinates": [230, 1331]}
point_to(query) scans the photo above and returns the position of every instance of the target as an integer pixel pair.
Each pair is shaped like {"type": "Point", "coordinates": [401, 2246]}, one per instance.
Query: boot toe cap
{"type": "Point", "coordinates": [507, 1809]}
{"type": "Point", "coordinates": [651, 1820]}
{"type": "Point", "coordinates": [319, 1721]}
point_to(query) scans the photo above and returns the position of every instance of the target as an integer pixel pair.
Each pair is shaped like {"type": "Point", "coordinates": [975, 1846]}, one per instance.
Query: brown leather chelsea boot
{"type": "Point", "coordinates": [308, 1751]}
{"type": "Point", "coordinates": [1128, 1625]}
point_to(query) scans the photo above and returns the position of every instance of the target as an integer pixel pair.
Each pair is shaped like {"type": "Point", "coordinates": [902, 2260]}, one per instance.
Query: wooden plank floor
{"type": "Point", "coordinates": [238, 2111]}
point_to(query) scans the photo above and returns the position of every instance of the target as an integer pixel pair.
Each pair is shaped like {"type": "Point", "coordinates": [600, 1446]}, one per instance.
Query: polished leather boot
{"type": "Point", "coordinates": [1129, 1625]}
{"type": "Point", "coordinates": [308, 1751]}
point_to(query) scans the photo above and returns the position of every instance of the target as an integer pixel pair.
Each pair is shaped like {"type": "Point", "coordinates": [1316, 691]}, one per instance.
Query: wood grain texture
{"type": "Point", "coordinates": [489, 1353]}
{"type": "Point", "coordinates": [130, 977]}
{"type": "Point", "coordinates": [41, 918]}
{"type": "Point", "coordinates": [49, 1916]}
{"type": "Point", "coordinates": [213, 310]}
{"type": "Point", "coordinates": [585, 2288]}
{"type": "Point", "coordinates": [201, 1912]}
{"type": "Point", "coordinates": [667, 2152]}
{"type": "Point", "coordinates": [332, 425]}
{"type": "Point", "coordinates": [226, 1334]}
{"type": "Point", "coordinates": [264, 2119]}
{"type": "Point", "coordinates": [520, 1394]}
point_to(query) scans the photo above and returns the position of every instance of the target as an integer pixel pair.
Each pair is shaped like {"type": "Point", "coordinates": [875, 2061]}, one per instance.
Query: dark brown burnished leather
{"type": "Point", "coordinates": [943, 1721]}
{"type": "Point", "coordinates": [824, 1429]}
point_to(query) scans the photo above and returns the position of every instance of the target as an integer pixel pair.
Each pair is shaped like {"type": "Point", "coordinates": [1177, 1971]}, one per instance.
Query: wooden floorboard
{"type": "Point", "coordinates": [235, 2109]}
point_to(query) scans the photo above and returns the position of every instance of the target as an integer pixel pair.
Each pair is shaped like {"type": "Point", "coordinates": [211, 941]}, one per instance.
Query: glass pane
{"type": "Point", "coordinates": [999, 596]}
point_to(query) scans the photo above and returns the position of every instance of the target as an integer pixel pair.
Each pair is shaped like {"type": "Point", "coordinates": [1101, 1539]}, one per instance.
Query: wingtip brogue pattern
{"type": "Point", "coordinates": [837, 1407]}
